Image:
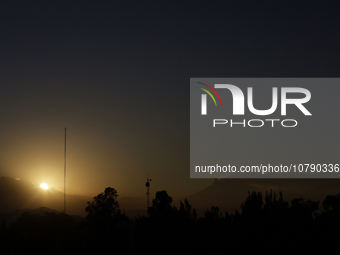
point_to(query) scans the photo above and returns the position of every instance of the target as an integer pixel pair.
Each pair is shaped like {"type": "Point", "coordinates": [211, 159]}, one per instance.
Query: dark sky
{"type": "Point", "coordinates": [117, 73]}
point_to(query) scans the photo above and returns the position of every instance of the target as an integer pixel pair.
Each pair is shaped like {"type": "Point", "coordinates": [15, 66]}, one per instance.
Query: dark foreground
{"type": "Point", "coordinates": [265, 225]}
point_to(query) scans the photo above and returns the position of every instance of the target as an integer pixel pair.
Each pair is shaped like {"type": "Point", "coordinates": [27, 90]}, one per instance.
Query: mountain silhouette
{"type": "Point", "coordinates": [11, 217]}
{"type": "Point", "coordinates": [23, 195]}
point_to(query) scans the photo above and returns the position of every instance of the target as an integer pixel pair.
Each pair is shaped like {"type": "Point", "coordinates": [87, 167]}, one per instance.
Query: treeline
{"type": "Point", "coordinates": [266, 224]}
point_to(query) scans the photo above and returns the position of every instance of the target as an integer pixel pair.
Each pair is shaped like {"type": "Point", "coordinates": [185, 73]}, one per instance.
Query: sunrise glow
{"type": "Point", "coordinates": [44, 186]}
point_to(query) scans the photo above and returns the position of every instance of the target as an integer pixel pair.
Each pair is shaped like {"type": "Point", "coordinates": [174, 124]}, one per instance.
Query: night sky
{"type": "Point", "coordinates": [117, 73]}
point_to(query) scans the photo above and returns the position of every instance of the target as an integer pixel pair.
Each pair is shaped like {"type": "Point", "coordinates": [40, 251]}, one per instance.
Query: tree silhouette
{"type": "Point", "coordinates": [105, 222]}
{"type": "Point", "coordinates": [161, 205]}
{"type": "Point", "coordinates": [266, 225]}
{"type": "Point", "coordinates": [332, 203]}
{"type": "Point", "coordinates": [213, 213]}
{"type": "Point", "coordinates": [186, 211]}
{"type": "Point", "coordinates": [304, 209]}
{"type": "Point", "coordinates": [104, 208]}
{"type": "Point", "coordinates": [252, 206]}
{"type": "Point", "coordinates": [275, 207]}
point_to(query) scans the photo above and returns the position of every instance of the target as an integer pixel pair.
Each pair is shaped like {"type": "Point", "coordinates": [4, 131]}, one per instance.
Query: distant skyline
{"type": "Point", "coordinates": [117, 76]}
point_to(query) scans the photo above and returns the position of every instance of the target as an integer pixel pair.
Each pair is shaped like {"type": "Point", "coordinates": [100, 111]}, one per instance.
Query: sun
{"type": "Point", "coordinates": [44, 186]}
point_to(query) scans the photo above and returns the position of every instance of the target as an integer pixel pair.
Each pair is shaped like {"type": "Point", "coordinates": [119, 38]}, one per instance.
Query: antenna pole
{"type": "Point", "coordinates": [65, 174]}
{"type": "Point", "coordinates": [147, 184]}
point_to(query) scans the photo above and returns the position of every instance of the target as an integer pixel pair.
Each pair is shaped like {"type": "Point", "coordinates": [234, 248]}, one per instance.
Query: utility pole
{"type": "Point", "coordinates": [65, 174]}
{"type": "Point", "coordinates": [147, 184]}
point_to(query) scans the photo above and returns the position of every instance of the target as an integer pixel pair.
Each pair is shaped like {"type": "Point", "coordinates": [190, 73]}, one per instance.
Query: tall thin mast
{"type": "Point", "coordinates": [147, 184]}
{"type": "Point", "coordinates": [65, 174]}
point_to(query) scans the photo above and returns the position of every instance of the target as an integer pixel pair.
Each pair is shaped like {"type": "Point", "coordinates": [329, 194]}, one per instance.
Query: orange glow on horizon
{"type": "Point", "coordinates": [44, 186]}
